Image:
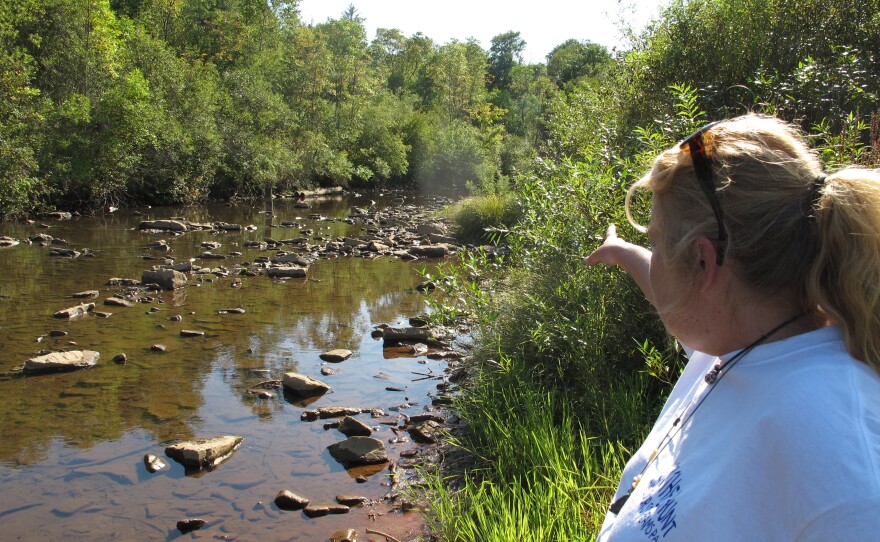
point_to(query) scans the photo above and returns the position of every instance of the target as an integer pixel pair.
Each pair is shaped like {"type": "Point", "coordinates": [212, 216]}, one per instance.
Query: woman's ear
{"type": "Point", "coordinates": [706, 255]}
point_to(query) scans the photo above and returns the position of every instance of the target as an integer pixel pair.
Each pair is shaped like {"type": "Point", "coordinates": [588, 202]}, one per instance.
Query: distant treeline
{"type": "Point", "coordinates": [116, 102]}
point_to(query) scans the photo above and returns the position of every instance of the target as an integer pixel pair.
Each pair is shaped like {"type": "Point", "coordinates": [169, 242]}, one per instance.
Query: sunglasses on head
{"type": "Point", "coordinates": [697, 146]}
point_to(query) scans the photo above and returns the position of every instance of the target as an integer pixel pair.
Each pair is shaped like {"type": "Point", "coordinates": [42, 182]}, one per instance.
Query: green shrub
{"type": "Point", "coordinates": [484, 218]}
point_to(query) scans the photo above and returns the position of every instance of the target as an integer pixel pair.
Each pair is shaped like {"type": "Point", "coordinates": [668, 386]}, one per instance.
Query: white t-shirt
{"type": "Point", "coordinates": [786, 447]}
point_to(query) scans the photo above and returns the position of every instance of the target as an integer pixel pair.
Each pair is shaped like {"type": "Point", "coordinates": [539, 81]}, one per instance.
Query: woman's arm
{"type": "Point", "coordinates": [633, 259]}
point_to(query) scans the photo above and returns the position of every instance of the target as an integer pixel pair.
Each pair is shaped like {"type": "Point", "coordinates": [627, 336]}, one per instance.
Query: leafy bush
{"type": "Point", "coordinates": [484, 218]}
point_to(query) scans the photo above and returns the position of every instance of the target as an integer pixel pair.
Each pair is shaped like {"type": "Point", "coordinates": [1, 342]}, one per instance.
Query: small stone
{"type": "Point", "coordinates": [336, 355]}
{"type": "Point", "coordinates": [418, 322]}
{"type": "Point", "coordinates": [337, 508]}
{"type": "Point", "coordinates": [204, 452]}
{"type": "Point", "coordinates": [287, 500]}
{"type": "Point", "coordinates": [286, 272]}
{"type": "Point", "coordinates": [57, 333]}
{"type": "Point", "coordinates": [75, 312]}
{"type": "Point", "coordinates": [344, 535]}
{"type": "Point", "coordinates": [175, 318]}
{"type": "Point", "coordinates": [351, 427]}
{"type": "Point", "coordinates": [351, 500]}
{"type": "Point", "coordinates": [427, 432]}
{"type": "Point", "coordinates": [154, 463]}
{"type": "Point", "coordinates": [88, 294]}
{"type": "Point", "coordinates": [191, 333]}
{"type": "Point", "coordinates": [316, 510]}
{"type": "Point", "coordinates": [190, 524]}
{"type": "Point", "coordinates": [120, 359]}
{"type": "Point", "coordinates": [427, 286]}
{"type": "Point", "coordinates": [329, 371]}
{"type": "Point", "coordinates": [158, 348]}
{"type": "Point", "coordinates": [118, 302]}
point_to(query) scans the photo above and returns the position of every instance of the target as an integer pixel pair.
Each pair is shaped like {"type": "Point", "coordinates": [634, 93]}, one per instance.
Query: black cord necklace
{"type": "Point", "coordinates": [712, 378]}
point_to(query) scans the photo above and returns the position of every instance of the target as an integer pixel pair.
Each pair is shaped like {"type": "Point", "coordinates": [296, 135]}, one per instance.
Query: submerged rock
{"type": "Point", "coordinates": [430, 251]}
{"type": "Point", "coordinates": [344, 535]}
{"type": "Point", "coordinates": [190, 524]}
{"type": "Point", "coordinates": [351, 500]}
{"type": "Point", "coordinates": [7, 242]}
{"type": "Point", "coordinates": [204, 453]}
{"type": "Point", "coordinates": [61, 361]}
{"type": "Point", "coordinates": [118, 302]}
{"type": "Point", "coordinates": [74, 312]}
{"type": "Point", "coordinates": [327, 412]}
{"type": "Point", "coordinates": [86, 294]}
{"type": "Point", "coordinates": [357, 451]}
{"type": "Point", "coordinates": [319, 510]}
{"type": "Point", "coordinates": [165, 225]}
{"type": "Point", "coordinates": [287, 500]}
{"type": "Point", "coordinates": [351, 427]}
{"type": "Point", "coordinates": [154, 463]}
{"type": "Point", "coordinates": [395, 335]}
{"type": "Point", "coordinates": [64, 252]}
{"type": "Point", "coordinates": [286, 272]}
{"type": "Point", "coordinates": [167, 279]}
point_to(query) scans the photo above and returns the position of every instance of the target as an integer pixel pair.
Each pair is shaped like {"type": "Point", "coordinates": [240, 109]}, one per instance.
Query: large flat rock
{"type": "Point", "coordinates": [303, 385]}
{"type": "Point", "coordinates": [286, 272]}
{"type": "Point", "coordinates": [356, 451]}
{"type": "Point", "coordinates": [61, 361]}
{"type": "Point", "coordinates": [204, 453]}
{"type": "Point", "coordinates": [167, 279]}
{"type": "Point", "coordinates": [165, 225]}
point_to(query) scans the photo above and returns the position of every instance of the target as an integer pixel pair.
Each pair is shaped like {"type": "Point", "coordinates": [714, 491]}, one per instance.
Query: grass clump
{"type": "Point", "coordinates": [484, 218]}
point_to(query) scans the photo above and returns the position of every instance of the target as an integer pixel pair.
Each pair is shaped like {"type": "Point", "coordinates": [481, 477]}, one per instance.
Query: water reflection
{"type": "Point", "coordinates": [72, 443]}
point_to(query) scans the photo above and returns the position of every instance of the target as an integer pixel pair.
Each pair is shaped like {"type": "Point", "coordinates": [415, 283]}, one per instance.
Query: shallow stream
{"type": "Point", "coordinates": [72, 444]}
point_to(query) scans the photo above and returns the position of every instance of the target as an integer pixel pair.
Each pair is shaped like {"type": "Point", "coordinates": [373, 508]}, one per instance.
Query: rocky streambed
{"type": "Point", "coordinates": [225, 379]}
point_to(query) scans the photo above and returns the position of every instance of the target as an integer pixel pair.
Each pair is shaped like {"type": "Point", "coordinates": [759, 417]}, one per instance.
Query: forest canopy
{"type": "Point", "coordinates": [181, 101]}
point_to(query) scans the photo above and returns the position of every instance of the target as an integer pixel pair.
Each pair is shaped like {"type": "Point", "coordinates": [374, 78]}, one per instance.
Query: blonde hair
{"type": "Point", "coordinates": [791, 231]}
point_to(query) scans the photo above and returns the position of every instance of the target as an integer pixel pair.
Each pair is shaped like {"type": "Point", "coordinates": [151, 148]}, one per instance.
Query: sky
{"type": "Point", "coordinates": [543, 24]}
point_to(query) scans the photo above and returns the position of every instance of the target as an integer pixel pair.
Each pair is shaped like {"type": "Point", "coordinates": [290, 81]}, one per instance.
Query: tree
{"type": "Point", "coordinates": [20, 118]}
{"type": "Point", "coordinates": [574, 59]}
{"type": "Point", "coordinates": [504, 54]}
{"type": "Point", "coordinates": [457, 75]}
{"type": "Point", "coordinates": [399, 60]}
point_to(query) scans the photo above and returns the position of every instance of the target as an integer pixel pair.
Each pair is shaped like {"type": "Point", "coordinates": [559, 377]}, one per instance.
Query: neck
{"type": "Point", "coordinates": [748, 319]}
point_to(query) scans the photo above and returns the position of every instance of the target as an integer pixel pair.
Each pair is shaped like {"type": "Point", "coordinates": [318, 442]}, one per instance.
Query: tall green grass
{"type": "Point", "coordinates": [484, 218]}
{"type": "Point", "coordinates": [570, 364]}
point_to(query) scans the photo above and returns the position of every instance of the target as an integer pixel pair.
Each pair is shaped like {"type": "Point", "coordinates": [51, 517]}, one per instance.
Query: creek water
{"type": "Point", "coordinates": [72, 444]}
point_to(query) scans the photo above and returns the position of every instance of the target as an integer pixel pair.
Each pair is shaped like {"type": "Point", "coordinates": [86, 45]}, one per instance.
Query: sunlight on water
{"type": "Point", "coordinates": [72, 446]}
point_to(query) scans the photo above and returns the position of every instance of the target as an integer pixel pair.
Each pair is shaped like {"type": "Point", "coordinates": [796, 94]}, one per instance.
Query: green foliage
{"type": "Point", "coordinates": [800, 59]}
{"type": "Point", "coordinates": [574, 59]}
{"type": "Point", "coordinates": [482, 218]}
{"type": "Point", "coordinates": [20, 114]}
{"type": "Point", "coordinates": [450, 152]}
{"type": "Point", "coordinates": [504, 53]}
{"type": "Point", "coordinates": [539, 477]}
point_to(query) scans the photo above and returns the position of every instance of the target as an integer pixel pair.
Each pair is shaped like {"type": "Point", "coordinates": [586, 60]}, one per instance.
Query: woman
{"type": "Point", "coordinates": [769, 272]}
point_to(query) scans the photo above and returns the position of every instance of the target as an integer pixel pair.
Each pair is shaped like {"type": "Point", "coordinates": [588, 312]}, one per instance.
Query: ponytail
{"type": "Point", "coordinates": [845, 278]}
